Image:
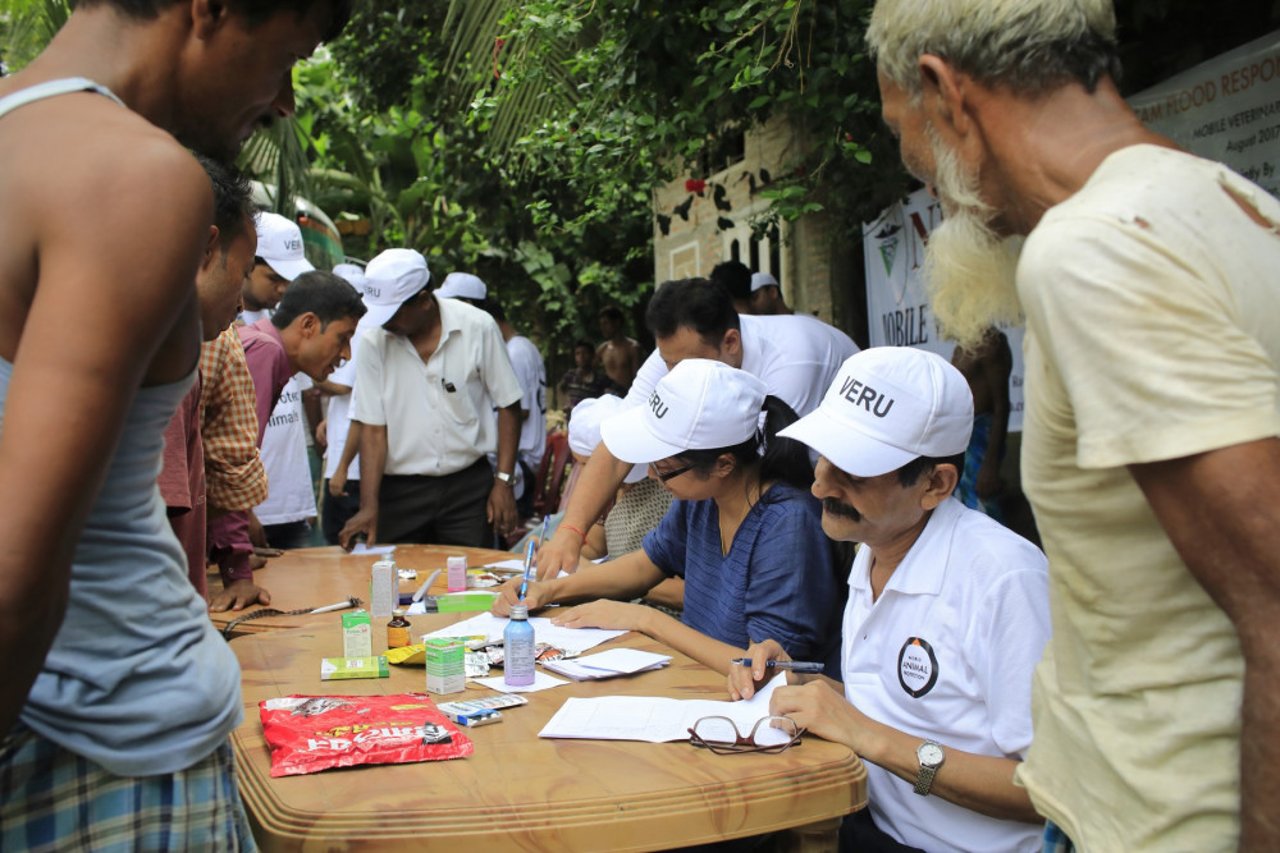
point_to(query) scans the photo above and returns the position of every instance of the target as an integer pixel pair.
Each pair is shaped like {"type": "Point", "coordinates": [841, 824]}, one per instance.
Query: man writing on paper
{"type": "Point", "coordinates": [946, 617]}
{"type": "Point", "coordinates": [1149, 448]}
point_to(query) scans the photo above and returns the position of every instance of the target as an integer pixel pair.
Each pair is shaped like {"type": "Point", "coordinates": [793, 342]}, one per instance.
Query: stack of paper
{"type": "Point", "coordinates": [657, 719]}
{"type": "Point", "coordinates": [608, 664]}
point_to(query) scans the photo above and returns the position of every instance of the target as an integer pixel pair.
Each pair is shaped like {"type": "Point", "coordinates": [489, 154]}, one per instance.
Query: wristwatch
{"type": "Point", "coordinates": [931, 758]}
{"type": "Point", "coordinates": [504, 477]}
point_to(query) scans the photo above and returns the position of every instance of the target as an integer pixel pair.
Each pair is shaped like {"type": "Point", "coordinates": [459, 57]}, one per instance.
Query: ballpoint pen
{"type": "Point", "coordinates": [528, 564]}
{"type": "Point", "coordinates": [793, 665]}
{"type": "Point", "coordinates": [542, 535]}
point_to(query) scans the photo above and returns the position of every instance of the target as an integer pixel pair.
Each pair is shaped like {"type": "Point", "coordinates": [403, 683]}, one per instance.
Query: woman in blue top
{"type": "Point", "coordinates": [744, 532]}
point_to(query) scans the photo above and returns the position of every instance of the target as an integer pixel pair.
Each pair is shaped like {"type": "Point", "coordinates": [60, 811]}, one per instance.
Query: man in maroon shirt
{"type": "Point", "coordinates": [310, 332]}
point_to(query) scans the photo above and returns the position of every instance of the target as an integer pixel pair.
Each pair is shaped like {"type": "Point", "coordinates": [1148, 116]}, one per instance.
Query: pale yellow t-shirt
{"type": "Point", "coordinates": [1153, 332]}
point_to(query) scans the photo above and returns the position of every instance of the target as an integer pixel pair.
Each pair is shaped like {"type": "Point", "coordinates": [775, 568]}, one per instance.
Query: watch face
{"type": "Point", "coordinates": [930, 754]}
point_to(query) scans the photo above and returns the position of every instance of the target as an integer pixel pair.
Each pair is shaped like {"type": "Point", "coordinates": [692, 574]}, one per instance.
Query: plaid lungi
{"type": "Point", "coordinates": [52, 799]}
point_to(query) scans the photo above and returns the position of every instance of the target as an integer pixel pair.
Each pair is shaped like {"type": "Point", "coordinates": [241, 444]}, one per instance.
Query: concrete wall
{"type": "Point", "coordinates": [810, 260]}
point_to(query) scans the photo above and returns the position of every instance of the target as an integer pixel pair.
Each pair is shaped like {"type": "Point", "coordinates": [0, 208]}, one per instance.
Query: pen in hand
{"type": "Point", "coordinates": [528, 564]}
{"type": "Point", "coordinates": [793, 665]}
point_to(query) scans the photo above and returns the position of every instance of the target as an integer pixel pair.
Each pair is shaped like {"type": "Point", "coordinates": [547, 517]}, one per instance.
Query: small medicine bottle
{"type": "Point", "coordinates": [518, 654]}
{"type": "Point", "coordinates": [397, 630]}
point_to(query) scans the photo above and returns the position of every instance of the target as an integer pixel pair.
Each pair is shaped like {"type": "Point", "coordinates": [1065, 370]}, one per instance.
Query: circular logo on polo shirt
{"type": "Point", "coordinates": [917, 667]}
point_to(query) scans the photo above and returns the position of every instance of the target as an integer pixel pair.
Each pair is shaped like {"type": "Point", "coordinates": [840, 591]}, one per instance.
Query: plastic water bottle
{"type": "Point", "coordinates": [517, 666]}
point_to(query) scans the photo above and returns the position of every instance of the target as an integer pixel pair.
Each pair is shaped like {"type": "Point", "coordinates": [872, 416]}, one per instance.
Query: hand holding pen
{"type": "Point", "coordinates": [528, 567]}
{"type": "Point", "coordinates": [747, 674]}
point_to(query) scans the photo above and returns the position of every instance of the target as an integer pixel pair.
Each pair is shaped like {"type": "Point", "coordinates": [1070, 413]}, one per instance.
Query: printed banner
{"type": "Point", "coordinates": [1226, 109]}
{"type": "Point", "coordinates": [898, 310]}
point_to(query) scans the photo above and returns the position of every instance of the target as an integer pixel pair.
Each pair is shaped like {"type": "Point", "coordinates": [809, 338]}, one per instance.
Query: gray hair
{"type": "Point", "coordinates": [1030, 46]}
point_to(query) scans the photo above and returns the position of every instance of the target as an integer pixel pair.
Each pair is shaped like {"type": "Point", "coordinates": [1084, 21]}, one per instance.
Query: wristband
{"type": "Point", "coordinates": [570, 527]}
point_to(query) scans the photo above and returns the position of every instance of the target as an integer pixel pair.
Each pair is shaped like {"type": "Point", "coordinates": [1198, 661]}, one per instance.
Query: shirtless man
{"type": "Point", "coordinates": [105, 217]}
{"type": "Point", "coordinates": [987, 367]}
{"type": "Point", "coordinates": [619, 354]}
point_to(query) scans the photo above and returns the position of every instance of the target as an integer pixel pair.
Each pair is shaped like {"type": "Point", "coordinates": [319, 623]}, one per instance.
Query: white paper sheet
{"type": "Point", "coordinates": [362, 548]}
{"type": "Point", "coordinates": [568, 639]}
{"type": "Point", "coordinates": [608, 664]}
{"type": "Point", "coordinates": [657, 719]}
{"type": "Point", "coordinates": [513, 565]}
{"type": "Point", "coordinates": [541, 681]}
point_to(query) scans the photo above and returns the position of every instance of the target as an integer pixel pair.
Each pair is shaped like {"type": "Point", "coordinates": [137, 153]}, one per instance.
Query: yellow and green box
{"type": "Point", "coordinates": [372, 666]}
{"type": "Point", "coordinates": [446, 669]}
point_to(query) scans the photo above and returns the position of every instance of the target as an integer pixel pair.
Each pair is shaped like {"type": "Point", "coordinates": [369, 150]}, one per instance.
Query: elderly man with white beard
{"type": "Point", "coordinates": [1150, 449]}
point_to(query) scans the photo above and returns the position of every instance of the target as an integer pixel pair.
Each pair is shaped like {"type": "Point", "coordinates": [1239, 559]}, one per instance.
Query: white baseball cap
{"type": "Point", "coordinates": [280, 245]}
{"type": "Point", "coordinates": [886, 407]}
{"type": "Point", "coordinates": [700, 405]}
{"type": "Point", "coordinates": [462, 285]}
{"type": "Point", "coordinates": [584, 428]}
{"type": "Point", "coordinates": [390, 280]}
{"type": "Point", "coordinates": [762, 279]}
{"type": "Point", "coordinates": [352, 275]}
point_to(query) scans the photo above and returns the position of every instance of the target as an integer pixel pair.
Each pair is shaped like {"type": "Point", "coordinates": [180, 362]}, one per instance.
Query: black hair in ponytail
{"type": "Point", "coordinates": [784, 460]}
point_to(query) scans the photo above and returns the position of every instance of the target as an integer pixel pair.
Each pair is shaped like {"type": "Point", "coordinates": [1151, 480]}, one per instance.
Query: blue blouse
{"type": "Point", "coordinates": [777, 581]}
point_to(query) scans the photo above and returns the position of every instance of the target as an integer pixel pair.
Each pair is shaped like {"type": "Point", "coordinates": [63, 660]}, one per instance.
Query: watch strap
{"type": "Point", "coordinates": [927, 772]}
{"type": "Point", "coordinates": [924, 779]}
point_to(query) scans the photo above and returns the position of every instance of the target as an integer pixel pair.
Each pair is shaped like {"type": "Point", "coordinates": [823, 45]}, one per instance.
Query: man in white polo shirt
{"type": "Point", "coordinates": [946, 618]}
{"type": "Point", "coordinates": [279, 260]}
{"type": "Point", "coordinates": [796, 357]}
{"type": "Point", "coordinates": [426, 372]}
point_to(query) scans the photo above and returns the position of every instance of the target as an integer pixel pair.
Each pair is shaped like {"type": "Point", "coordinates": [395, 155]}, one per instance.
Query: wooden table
{"type": "Point", "coordinates": [522, 792]}
{"type": "Point", "coordinates": [314, 577]}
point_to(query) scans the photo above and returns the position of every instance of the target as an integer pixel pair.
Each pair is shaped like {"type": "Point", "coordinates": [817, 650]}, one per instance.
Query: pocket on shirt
{"type": "Point", "coordinates": [457, 405]}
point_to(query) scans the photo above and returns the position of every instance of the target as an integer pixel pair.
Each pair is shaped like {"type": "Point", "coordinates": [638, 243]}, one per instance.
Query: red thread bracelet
{"type": "Point", "coordinates": [581, 535]}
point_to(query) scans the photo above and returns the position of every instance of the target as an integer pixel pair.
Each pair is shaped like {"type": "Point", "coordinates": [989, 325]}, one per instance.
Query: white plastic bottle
{"type": "Point", "coordinates": [518, 640]}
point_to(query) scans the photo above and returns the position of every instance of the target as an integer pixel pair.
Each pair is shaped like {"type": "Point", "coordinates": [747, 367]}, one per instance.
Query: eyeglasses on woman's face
{"type": "Point", "coordinates": [668, 474]}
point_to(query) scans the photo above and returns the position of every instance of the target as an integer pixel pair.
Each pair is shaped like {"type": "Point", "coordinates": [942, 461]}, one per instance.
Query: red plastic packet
{"type": "Point", "coordinates": [308, 734]}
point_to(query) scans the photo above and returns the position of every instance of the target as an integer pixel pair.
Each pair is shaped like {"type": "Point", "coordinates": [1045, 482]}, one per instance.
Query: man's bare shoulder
{"type": "Point", "coordinates": [86, 148]}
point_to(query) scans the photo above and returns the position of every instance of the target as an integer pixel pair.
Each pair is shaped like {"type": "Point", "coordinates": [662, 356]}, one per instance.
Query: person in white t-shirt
{"type": "Point", "coordinates": [530, 369]}
{"type": "Point", "coordinates": [947, 615]}
{"type": "Point", "coordinates": [795, 357]}
{"type": "Point", "coordinates": [341, 495]}
{"type": "Point", "coordinates": [285, 515]}
{"type": "Point", "coordinates": [279, 260]}
{"type": "Point", "coordinates": [428, 373]}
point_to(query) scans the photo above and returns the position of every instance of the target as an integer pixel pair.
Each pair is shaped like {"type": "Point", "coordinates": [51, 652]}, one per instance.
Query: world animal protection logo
{"type": "Point", "coordinates": [917, 667]}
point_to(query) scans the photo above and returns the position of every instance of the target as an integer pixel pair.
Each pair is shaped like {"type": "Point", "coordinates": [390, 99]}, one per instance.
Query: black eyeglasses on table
{"type": "Point", "coordinates": [721, 735]}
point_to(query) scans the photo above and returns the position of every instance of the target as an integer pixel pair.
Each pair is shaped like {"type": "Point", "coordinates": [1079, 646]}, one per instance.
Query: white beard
{"type": "Point", "coordinates": [969, 269]}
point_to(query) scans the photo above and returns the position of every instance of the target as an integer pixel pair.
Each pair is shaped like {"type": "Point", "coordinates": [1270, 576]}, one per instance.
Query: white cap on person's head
{"type": "Point", "coordinates": [886, 407]}
{"type": "Point", "coordinates": [280, 245]}
{"type": "Point", "coordinates": [700, 405]}
{"type": "Point", "coordinates": [462, 285]}
{"type": "Point", "coordinates": [351, 274]}
{"type": "Point", "coordinates": [392, 278]}
{"type": "Point", "coordinates": [762, 279]}
{"type": "Point", "coordinates": [584, 428]}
